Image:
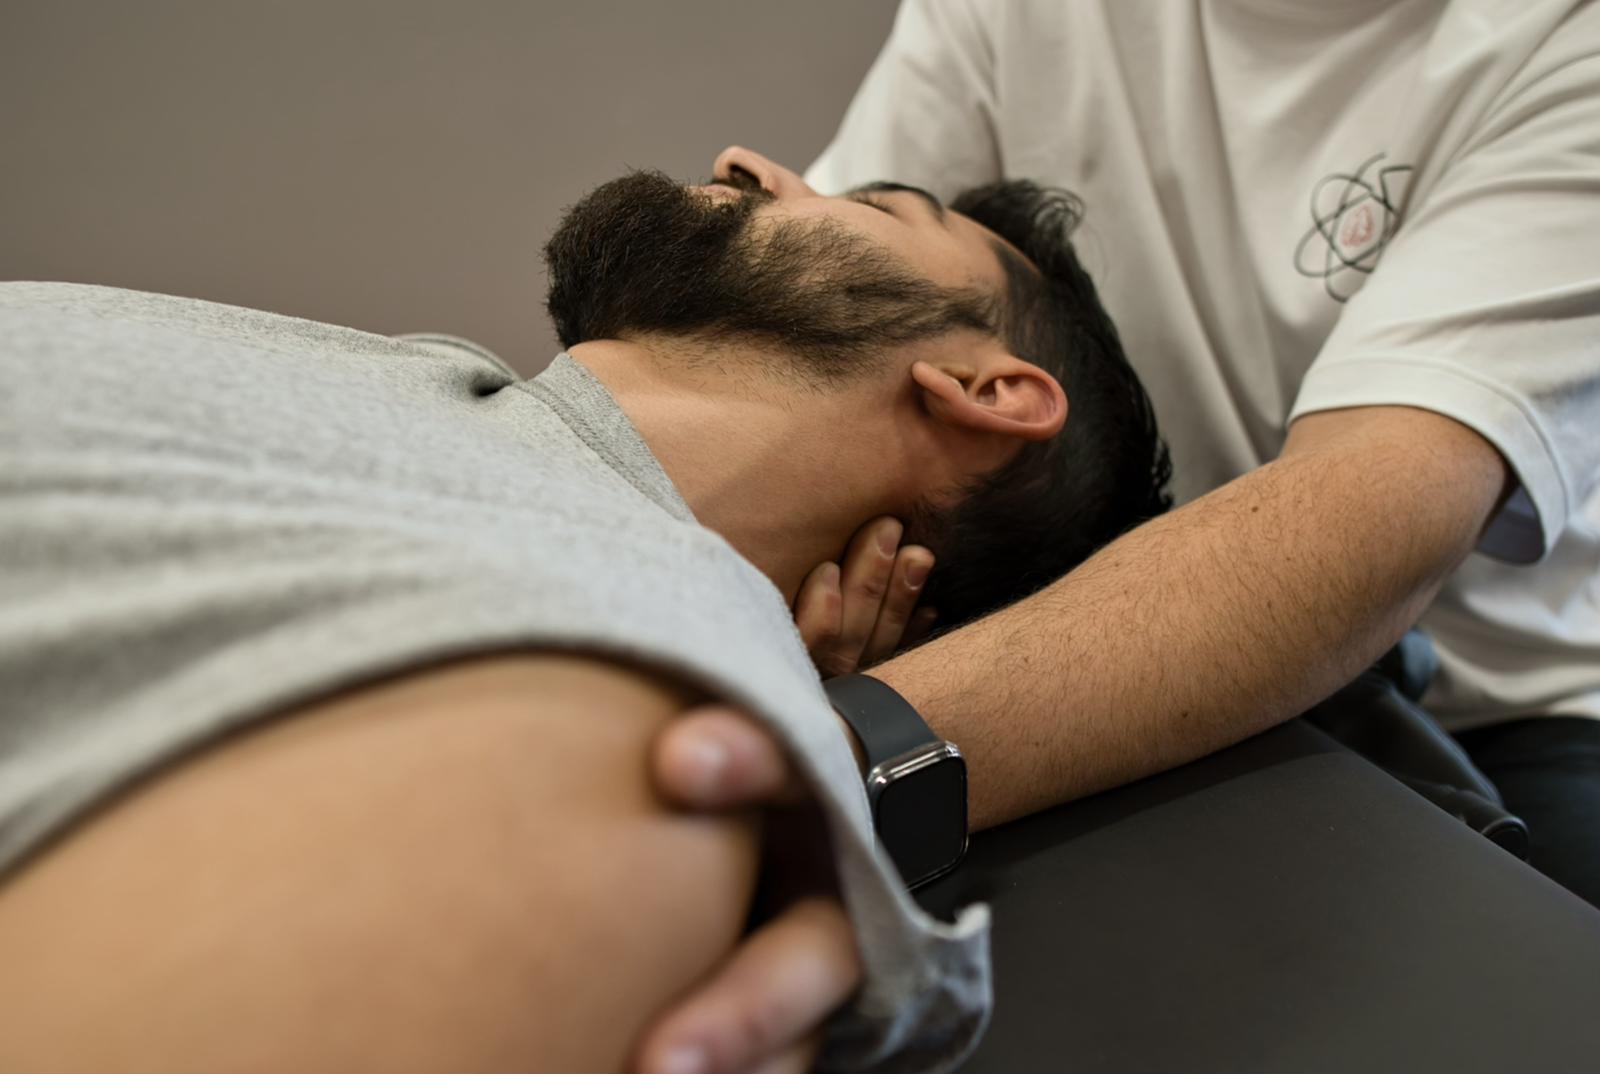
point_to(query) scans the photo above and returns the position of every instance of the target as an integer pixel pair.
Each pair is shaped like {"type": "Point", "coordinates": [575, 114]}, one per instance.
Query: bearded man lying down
{"type": "Point", "coordinates": [330, 661]}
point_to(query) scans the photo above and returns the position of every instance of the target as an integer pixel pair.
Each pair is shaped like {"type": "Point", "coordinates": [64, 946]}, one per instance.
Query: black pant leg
{"type": "Point", "coordinates": [1547, 769]}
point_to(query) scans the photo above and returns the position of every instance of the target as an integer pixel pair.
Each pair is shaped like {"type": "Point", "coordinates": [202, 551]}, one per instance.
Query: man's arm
{"type": "Point", "coordinates": [1192, 632]}
{"type": "Point", "coordinates": [457, 869]}
{"type": "Point", "coordinates": [1214, 622]}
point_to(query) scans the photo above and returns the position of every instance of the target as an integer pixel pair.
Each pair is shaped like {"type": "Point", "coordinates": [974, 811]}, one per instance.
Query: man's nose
{"type": "Point", "coordinates": [774, 178]}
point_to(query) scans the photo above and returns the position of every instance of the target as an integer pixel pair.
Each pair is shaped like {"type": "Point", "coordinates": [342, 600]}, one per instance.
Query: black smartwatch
{"type": "Point", "coordinates": [916, 781]}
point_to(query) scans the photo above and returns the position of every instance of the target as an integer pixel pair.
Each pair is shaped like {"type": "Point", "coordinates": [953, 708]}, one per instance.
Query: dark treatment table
{"type": "Point", "coordinates": [1282, 906]}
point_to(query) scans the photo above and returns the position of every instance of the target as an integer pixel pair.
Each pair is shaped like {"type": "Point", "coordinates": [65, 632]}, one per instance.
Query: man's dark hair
{"type": "Point", "coordinates": [1059, 500]}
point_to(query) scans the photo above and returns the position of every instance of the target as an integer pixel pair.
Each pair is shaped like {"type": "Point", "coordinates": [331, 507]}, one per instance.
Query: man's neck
{"type": "Point", "coordinates": [783, 473]}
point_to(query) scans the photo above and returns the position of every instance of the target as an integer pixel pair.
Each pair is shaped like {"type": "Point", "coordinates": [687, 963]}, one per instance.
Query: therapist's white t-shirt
{"type": "Point", "coordinates": [1304, 205]}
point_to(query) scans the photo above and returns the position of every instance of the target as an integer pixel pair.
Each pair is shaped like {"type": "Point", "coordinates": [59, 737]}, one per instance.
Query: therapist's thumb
{"type": "Point", "coordinates": [716, 757]}
{"type": "Point", "coordinates": [761, 1011]}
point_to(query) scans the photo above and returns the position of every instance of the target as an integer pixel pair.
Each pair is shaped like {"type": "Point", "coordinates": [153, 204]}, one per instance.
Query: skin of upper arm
{"type": "Point", "coordinates": [484, 828]}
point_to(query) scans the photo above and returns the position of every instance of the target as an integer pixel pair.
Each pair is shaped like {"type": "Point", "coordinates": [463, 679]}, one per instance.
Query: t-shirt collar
{"type": "Point", "coordinates": [591, 411]}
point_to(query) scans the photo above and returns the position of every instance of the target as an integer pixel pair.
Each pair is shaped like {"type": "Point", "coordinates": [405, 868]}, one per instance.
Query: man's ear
{"type": "Point", "coordinates": [994, 394]}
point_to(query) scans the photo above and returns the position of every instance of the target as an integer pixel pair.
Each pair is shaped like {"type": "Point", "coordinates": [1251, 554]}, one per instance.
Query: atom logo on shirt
{"type": "Point", "coordinates": [1355, 216]}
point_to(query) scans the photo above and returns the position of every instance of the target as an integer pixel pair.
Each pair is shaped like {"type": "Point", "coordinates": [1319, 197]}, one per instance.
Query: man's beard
{"type": "Point", "coordinates": [645, 255]}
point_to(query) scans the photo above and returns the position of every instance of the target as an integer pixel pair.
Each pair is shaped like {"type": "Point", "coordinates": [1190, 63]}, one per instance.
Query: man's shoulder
{"type": "Point", "coordinates": [84, 303]}
{"type": "Point", "coordinates": [123, 319]}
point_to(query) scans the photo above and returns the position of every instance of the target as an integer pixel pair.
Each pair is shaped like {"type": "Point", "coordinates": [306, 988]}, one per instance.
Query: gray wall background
{"type": "Point", "coordinates": [394, 165]}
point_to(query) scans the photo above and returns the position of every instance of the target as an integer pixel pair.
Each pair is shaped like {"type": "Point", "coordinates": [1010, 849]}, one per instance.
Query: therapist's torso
{"type": "Point", "coordinates": [1296, 206]}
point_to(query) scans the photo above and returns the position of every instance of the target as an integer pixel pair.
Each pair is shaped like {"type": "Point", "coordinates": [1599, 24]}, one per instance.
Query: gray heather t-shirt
{"type": "Point", "coordinates": [209, 515]}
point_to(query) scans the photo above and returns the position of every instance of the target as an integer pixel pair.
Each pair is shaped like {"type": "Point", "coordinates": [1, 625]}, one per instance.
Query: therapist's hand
{"type": "Point", "coordinates": [854, 615]}
{"type": "Point", "coordinates": [761, 1010]}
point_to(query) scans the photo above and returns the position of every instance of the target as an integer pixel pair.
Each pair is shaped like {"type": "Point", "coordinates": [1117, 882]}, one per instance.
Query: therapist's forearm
{"type": "Point", "coordinates": [1211, 623]}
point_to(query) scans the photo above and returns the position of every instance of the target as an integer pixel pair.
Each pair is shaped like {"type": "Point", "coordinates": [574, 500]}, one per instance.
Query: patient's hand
{"type": "Point", "coordinates": [856, 615]}
{"type": "Point", "coordinates": [761, 1010]}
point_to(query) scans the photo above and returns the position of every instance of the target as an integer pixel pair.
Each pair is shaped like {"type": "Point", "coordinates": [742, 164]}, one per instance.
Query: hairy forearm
{"type": "Point", "coordinates": [1212, 623]}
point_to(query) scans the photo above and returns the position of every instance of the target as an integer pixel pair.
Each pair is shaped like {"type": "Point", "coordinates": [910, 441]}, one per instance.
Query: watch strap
{"type": "Point", "coordinates": [885, 723]}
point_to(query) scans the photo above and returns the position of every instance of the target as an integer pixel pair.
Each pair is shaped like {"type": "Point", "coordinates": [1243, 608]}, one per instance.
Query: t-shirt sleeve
{"type": "Point", "coordinates": [1486, 306]}
{"type": "Point", "coordinates": [925, 112]}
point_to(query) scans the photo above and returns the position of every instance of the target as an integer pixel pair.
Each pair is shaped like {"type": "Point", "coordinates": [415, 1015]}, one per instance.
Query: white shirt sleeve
{"type": "Point", "coordinates": [925, 112]}
{"type": "Point", "coordinates": [1486, 306]}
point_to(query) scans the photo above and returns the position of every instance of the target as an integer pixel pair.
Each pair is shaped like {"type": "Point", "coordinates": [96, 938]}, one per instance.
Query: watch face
{"type": "Point", "coordinates": [921, 816]}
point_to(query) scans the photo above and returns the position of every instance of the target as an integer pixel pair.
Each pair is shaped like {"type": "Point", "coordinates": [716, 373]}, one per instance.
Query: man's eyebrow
{"type": "Point", "coordinates": [886, 187]}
